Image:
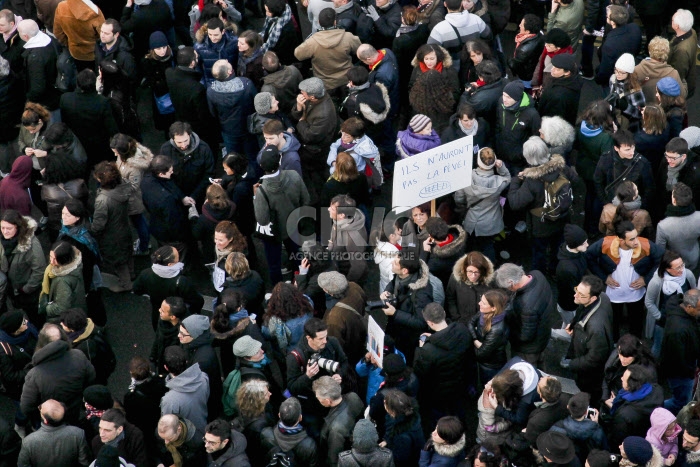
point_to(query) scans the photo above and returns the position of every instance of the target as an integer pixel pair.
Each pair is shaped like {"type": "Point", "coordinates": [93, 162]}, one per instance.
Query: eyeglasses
{"type": "Point", "coordinates": [210, 443]}
{"type": "Point", "coordinates": [678, 268]}
{"type": "Point", "coordinates": [576, 292]}
{"type": "Point", "coordinates": [673, 158]}
{"type": "Point", "coordinates": [183, 334]}
{"type": "Point", "coordinates": [473, 273]}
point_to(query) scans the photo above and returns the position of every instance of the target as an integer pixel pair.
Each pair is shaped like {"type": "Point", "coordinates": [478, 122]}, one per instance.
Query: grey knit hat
{"type": "Point", "coordinates": [333, 282]}
{"type": "Point", "coordinates": [246, 346]}
{"type": "Point", "coordinates": [263, 102]}
{"type": "Point", "coordinates": [313, 86]}
{"type": "Point", "coordinates": [692, 136]}
{"type": "Point", "coordinates": [195, 325]}
{"type": "Point", "coordinates": [364, 436]}
{"type": "Point", "coordinates": [418, 122]}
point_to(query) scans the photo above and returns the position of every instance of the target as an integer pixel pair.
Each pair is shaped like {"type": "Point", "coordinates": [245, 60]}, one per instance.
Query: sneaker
{"type": "Point", "coordinates": [561, 335]}
{"type": "Point", "coordinates": [192, 212]}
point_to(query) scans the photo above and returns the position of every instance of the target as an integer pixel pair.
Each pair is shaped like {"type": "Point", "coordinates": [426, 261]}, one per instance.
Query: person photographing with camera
{"type": "Point", "coordinates": [315, 355]}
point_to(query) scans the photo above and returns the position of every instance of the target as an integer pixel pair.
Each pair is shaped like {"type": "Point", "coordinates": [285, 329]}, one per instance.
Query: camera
{"type": "Point", "coordinates": [324, 363]}
{"type": "Point", "coordinates": [374, 304]}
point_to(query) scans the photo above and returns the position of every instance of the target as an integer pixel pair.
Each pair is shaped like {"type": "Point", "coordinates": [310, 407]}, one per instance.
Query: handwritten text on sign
{"type": "Point", "coordinates": [430, 174]}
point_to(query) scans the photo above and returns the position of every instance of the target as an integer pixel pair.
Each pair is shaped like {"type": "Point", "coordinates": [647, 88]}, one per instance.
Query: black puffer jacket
{"type": "Point", "coordinates": [632, 418]}
{"type": "Point", "coordinates": [529, 316]}
{"type": "Point", "coordinates": [443, 362]}
{"type": "Point", "coordinates": [526, 57]}
{"type": "Point", "coordinates": [561, 98]}
{"type": "Point", "coordinates": [492, 353]}
{"type": "Point", "coordinates": [528, 192]}
{"type": "Point", "coordinates": [513, 128]}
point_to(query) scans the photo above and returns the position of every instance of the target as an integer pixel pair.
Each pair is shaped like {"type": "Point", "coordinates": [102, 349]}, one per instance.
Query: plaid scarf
{"type": "Point", "coordinates": [274, 26]}
{"type": "Point", "coordinates": [90, 411]}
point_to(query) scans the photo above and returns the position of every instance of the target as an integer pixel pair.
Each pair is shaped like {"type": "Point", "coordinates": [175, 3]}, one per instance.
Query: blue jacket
{"type": "Point", "coordinates": [645, 259]}
{"type": "Point", "coordinates": [163, 200]}
{"type": "Point", "coordinates": [375, 380]}
{"type": "Point", "coordinates": [231, 102]}
{"type": "Point", "coordinates": [290, 154]}
{"type": "Point", "coordinates": [209, 53]}
{"type": "Point", "coordinates": [387, 73]}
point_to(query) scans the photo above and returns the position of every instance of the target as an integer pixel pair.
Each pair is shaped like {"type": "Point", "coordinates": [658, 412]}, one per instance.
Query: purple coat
{"type": "Point", "coordinates": [409, 143]}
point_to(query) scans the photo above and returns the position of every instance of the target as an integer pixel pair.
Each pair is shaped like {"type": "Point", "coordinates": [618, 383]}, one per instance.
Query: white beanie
{"type": "Point", "coordinates": [625, 63]}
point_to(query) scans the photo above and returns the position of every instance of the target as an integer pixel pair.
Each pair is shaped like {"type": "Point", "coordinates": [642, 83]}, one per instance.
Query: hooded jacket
{"type": "Point", "coordinates": [441, 259]}
{"type": "Point", "coordinates": [649, 72]}
{"type": "Point", "coordinates": [675, 232]}
{"type": "Point", "coordinates": [331, 52]}
{"type": "Point", "coordinates": [231, 102]}
{"type": "Point", "coordinates": [201, 352]}
{"type": "Point", "coordinates": [337, 427]}
{"type": "Point", "coordinates": [59, 373]}
{"type": "Point", "coordinates": [586, 434]}
{"type": "Point", "coordinates": [443, 455]}
{"type": "Point", "coordinates": [13, 188]}
{"type": "Point", "coordinates": [533, 306]}
{"type": "Point", "coordinates": [482, 199]}
{"type": "Point", "coordinates": [77, 26]}
{"type": "Point", "coordinates": [110, 217]}
{"type": "Point", "coordinates": [348, 240]}
{"type": "Point", "coordinates": [681, 342]}
{"type": "Point", "coordinates": [377, 457]}
{"type": "Point", "coordinates": [528, 192]}
{"type": "Point", "coordinates": [300, 444]}
{"type": "Point", "coordinates": [443, 361]}
{"type": "Point", "coordinates": [133, 168]}
{"type": "Point", "coordinates": [462, 295]}
{"type": "Point", "coordinates": [409, 143]}
{"type": "Point", "coordinates": [513, 128]}
{"type": "Point", "coordinates": [371, 104]}
{"type": "Point", "coordinates": [290, 154]}
{"type": "Point", "coordinates": [192, 167]}
{"type": "Point", "coordinates": [25, 266]}
{"type": "Point", "coordinates": [66, 290]}
{"type": "Point", "coordinates": [561, 98]}
{"type": "Point", "coordinates": [570, 270]}
{"type": "Point", "coordinates": [284, 85]}
{"type": "Point", "coordinates": [187, 396]}
{"type": "Point", "coordinates": [40, 55]}
{"type": "Point", "coordinates": [363, 151]}
{"type": "Point", "coordinates": [660, 421]}
{"type": "Point", "coordinates": [285, 193]}
{"type": "Point", "coordinates": [234, 455]}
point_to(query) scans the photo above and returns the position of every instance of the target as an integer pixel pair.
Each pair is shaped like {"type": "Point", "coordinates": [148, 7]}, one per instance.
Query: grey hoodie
{"type": "Point", "coordinates": [485, 216]}
{"type": "Point", "coordinates": [285, 192]}
{"type": "Point", "coordinates": [187, 396]}
{"type": "Point", "coordinates": [348, 241]}
{"type": "Point", "coordinates": [194, 144]}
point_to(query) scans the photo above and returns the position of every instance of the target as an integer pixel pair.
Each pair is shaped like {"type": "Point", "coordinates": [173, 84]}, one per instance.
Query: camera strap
{"type": "Point", "coordinates": [299, 359]}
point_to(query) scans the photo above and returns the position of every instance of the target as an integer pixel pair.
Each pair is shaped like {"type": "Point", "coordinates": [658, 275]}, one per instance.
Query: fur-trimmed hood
{"type": "Point", "coordinates": [370, 114]}
{"type": "Point", "coordinates": [24, 243]}
{"type": "Point", "coordinates": [202, 32]}
{"type": "Point", "coordinates": [554, 164]}
{"type": "Point", "coordinates": [692, 457]}
{"type": "Point", "coordinates": [236, 331]}
{"type": "Point", "coordinates": [450, 450]}
{"type": "Point", "coordinates": [66, 269]}
{"type": "Point", "coordinates": [656, 460]}
{"type": "Point", "coordinates": [455, 246]}
{"type": "Point", "coordinates": [446, 63]}
{"type": "Point", "coordinates": [423, 279]}
{"type": "Point", "coordinates": [140, 160]}
{"type": "Point", "coordinates": [460, 275]}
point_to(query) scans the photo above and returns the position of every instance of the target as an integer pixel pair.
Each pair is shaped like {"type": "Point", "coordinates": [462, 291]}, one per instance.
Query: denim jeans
{"type": "Point", "coordinates": [658, 337]}
{"type": "Point", "coordinates": [682, 390]}
{"type": "Point", "coordinates": [141, 226]}
{"type": "Point", "coordinates": [273, 254]}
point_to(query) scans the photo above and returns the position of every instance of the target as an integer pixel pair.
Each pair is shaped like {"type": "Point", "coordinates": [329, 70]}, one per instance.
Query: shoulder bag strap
{"type": "Point", "coordinates": [356, 459]}
{"type": "Point", "coordinates": [298, 358]}
{"type": "Point", "coordinates": [459, 38]}
{"type": "Point", "coordinates": [348, 307]}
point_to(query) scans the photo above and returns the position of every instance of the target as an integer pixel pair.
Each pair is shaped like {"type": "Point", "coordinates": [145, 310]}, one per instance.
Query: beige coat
{"type": "Point", "coordinates": [649, 72]}
{"type": "Point", "coordinates": [331, 54]}
{"type": "Point", "coordinates": [77, 26]}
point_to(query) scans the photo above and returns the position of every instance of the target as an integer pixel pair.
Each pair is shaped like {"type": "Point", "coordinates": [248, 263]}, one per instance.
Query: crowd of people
{"type": "Point", "coordinates": [275, 143]}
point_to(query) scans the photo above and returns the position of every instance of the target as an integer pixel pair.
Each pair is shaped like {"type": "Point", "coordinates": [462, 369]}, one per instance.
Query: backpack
{"type": "Point", "coordinates": [231, 385]}
{"type": "Point", "coordinates": [558, 198]}
{"type": "Point", "coordinates": [66, 72]}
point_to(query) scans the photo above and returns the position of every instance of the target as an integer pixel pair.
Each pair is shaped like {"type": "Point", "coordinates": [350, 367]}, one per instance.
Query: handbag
{"type": "Point", "coordinates": [164, 104]}
{"type": "Point", "coordinates": [270, 231]}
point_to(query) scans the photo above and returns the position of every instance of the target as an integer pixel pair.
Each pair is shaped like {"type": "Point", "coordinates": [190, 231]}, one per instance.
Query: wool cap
{"type": "Point", "coordinates": [333, 282]}
{"type": "Point", "coordinates": [11, 321]}
{"type": "Point", "coordinates": [558, 38]}
{"type": "Point", "coordinates": [638, 450]}
{"type": "Point", "coordinates": [98, 396]}
{"type": "Point", "coordinates": [313, 86]}
{"type": "Point", "coordinates": [262, 102]}
{"type": "Point", "coordinates": [246, 346]}
{"type": "Point", "coordinates": [669, 86]}
{"type": "Point", "coordinates": [625, 63]}
{"type": "Point", "coordinates": [574, 236]}
{"type": "Point", "coordinates": [393, 364]}
{"type": "Point", "coordinates": [157, 40]}
{"type": "Point", "coordinates": [364, 436]}
{"type": "Point", "coordinates": [515, 90]}
{"type": "Point", "coordinates": [419, 122]}
{"type": "Point", "coordinates": [691, 135]}
{"type": "Point", "coordinates": [566, 62]}
{"type": "Point", "coordinates": [270, 159]}
{"type": "Point", "coordinates": [600, 458]}
{"type": "Point", "coordinates": [196, 325]}
{"type": "Point", "coordinates": [556, 447]}
{"type": "Point", "coordinates": [108, 457]}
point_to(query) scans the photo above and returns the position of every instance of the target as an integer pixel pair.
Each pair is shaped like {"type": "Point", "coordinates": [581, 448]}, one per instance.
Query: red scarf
{"type": "Point", "coordinates": [519, 38]}
{"type": "Point", "coordinates": [540, 66]}
{"type": "Point", "coordinates": [424, 68]}
{"type": "Point", "coordinates": [446, 241]}
{"type": "Point", "coordinates": [380, 57]}
{"type": "Point", "coordinates": [480, 82]}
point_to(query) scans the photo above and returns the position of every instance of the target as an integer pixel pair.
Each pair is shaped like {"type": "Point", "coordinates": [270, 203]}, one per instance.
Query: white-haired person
{"type": "Point", "coordinates": [559, 136]}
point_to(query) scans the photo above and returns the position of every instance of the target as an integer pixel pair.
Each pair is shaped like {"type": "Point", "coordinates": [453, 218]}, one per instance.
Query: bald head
{"type": "Point", "coordinates": [221, 70]}
{"type": "Point", "coordinates": [27, 28]}
{"type": "Point", "coordinates": [366, 53]}
{"type": "Point", "coordinates": [168, 424]}
{"type": "Point", "coordinates": [52, 412]}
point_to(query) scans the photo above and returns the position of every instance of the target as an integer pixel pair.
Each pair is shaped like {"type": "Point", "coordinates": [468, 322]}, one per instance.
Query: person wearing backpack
{"type": "Point", "coordinates": [91, 341]}
{"type": "Point", "coordinates": [288, 444]}
{"type": "Point", "coordinates": [544, 191]}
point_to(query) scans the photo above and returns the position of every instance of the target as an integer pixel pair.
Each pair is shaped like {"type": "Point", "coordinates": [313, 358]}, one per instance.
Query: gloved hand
{"type": "Point", "coordinates": [372, 13]}
{"type": "Point", "coordinates": [565, 362]}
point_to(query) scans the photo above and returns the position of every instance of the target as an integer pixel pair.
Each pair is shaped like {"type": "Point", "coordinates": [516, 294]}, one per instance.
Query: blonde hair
{"type": "Point", "coordinates": [252, 397]}
{"type": "Point", "coordinates": [345, 168]}
{"type": "Point", "coordinates": [659, 49]}
{"type": "Point", "coordinates": [237, 265]}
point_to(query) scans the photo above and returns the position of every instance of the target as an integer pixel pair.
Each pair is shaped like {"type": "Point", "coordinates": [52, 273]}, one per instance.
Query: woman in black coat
{"type": "Point", "coordinates": [159, 59]}
{"type": "Point", "coordinates": [397, 377]}
{"type": "Point", "coordinates": [630, 349]}
{"type": "Point", "coordinates": [529, 43]}
{"type": "Point", "coordinates": [247, 282]}
{"type": "Point", "coordinates": [653, 134]}
{"type": "Point", "coordinates": [469, 280]}
{"type": "Point", "coordinates": [17, 341]}
{"type": "Point", "coordinates": [411, 36]}
{"type": "Point", "coordinates": [466, 123]}
{"type": "Point", "coordinates": [217, 208]}
{"type": "Point", "coordinates": [404, 434]}
{"type": "Point", "coordinates": [490, 333]}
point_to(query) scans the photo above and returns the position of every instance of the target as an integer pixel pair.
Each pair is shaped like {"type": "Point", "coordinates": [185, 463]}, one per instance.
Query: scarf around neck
{"type": "Point", "coordinates": [673, 284]}
{"type": "Point", "coordinates": [495, 320]}
{"type": "Point", "coordinates": [280, 330]}
{"type": "Point", "coordinates": [406, 28]}
{"type": "Point", "coordinates": [469, 132]}
{"type": "Point", "coordinates": [172, 446]}
{"type": "Point", "coordinates": [81, 234]}
{"type": "Point", "coordinates": [520, 37]}
{"type": "Point", "coordinates": [9, 245]}
{"type": "Point", "coordinates": [633, 205]}
{"type": "Point", "coordinates": [22, 339]}
{"type": "Point", "coordinates": [289, 430]}
{"type": "Point", "coordinates": [673, 173]}
{"type": "Point", "coordinates": [424, 68]}
{"type": "Point", "coordinates": [626, 396]}
{"type": "Point", "coordinates": [679, 211]}
{"type": "Point", "coordinates": [167, 272]}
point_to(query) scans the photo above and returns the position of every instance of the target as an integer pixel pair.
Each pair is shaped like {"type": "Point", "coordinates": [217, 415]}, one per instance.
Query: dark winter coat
{"type": "Point", "coordinates": [163, 200]}
{"type": "Point", "coordinates": [166, 335]}
{"type": "Point", "coordinates": [404, 48]}
{"type": "Point", "coordinates": [336, 434]}
{"type": "Point", "coordinates": [15, 358]}
{"type": "Point", "coordinates": [386, 26]}
{"type": "Point", "coordinates": [492, 353]}
{"type": "Point", "coordinates": [316, 131]}
{"type": "Point", "coordinates": [405, 439]}
{"type": "Point", "coordinates": [532, 308]}
{"type": "Point", "coordinates": [526, 57]}
{"type": "Point", "coordinates": [614, 370]}
{"type": "Point", "coordinates": [485, 99]}
{"type": "Point", "coordinates": [141, 23]}
{"type": "Point", "coordinates": [90, 117]}
{"type": "Point", "coordinates": [586, 435]}
{"type": "Point", "coordinates": [120, 54]}
{"type": "Point", "coordinates": [681, 342]}
{"type": "Point", "coordinates": [192, 167]}
{"type": "Point", "coordinates": [159, 288]}
{"type": "Point", "coordinates": [462, 296]}
{"type": "Point", "coordinates": [591, 343]}
{"type": "Point", "coordinates": [602, 263]}
{"type": "Point", "coordinates": [234, 455]}
{"type": "Point", "coordinates": [482, 138]}
{"type": "Point", "coordinates": [40, 74]}
{"type": "Point", "coordinates": [609, 171]}
{"type": "Point", "coordinates": [25, 266]}
{"type": "Point", "coordinates": [287, 42]}
{"type": "Point", "coordinates": [561, 97]}
{"type": "Point", "coordinates": [513, 128]}
{"type": "Point", "coordinates": [528, 192]}
{"type": "Point", "coordinates": [109, 219]}
{"type": "Point", "coordinates": [371, 104]}
{"type": "Point", "coordinates": [142, 405]}
{"type": "Point", "coordinates": [14, 192]}
{"type": "Point", "coordinates": [357, 189]}
{"type": "Point", "coordinates": [11, 107]}
{"type": "Point", "coordinates": [231, 102]}
{"type": "Point", "coordinates": [543, 417]}
{"type": "Point", "coordinates": [301, 445]}
{"type": "Point", "coordinates": [285, 193]}
{"type": "Point", "coordinates": [154, 75]}
{"type": "Point", "coordinates": [209, 53]}
{"type": "Point", "coordinates": [252, 287]}
{"type": "Point", "coordinates": [632, 418]}
{"type": "Point", "coordinates": [683, 51]}
{"type": "Point", "coordinates": [387, 73]}
{"type": "Point", "coordinates": [350, 328]}
{"type": "Point", "coordinates": [284, 85]}
{"type": "Point", "coordinates": [441, 259]}
{"type": "Point", "coordinates": [59, 373]}
{"type": "Point", "coordinates": [94, 344]}
{"type": "Point", "coordinates": [623, 39]}
{"type": "Point", "coordinates": [132, 448]}
{"type": "Point", "coordinates": [377, 457]}
{"type": "Point", "coordinates": [689, 174]}
{"type": "Point", "coordinates": [570, 269]}
{"type": "Point", "coordinates": [240, 190]}
{"type": "Point", "coordinates": [653, 147]}
{"type": "Point", "coordinates": [189, 97]}
{"type": "Point", "coordinates": [377, 412]}
{"type": "Point", "coordinates": [443, 455]}
{"type": "Point", "coordinates": [12, 49]}
{"type": "Point", "coordinates": [590, 149]}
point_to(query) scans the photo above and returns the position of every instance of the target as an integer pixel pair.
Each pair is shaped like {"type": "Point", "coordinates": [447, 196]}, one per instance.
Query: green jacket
{"type": "Point", "coordinates": [66, 290]}
{"type": "Point", "coordinates": [590, 148]}
{"type": "Point", "coordinates": [682, 58]}
{"type": "Point", "coordinates": [25, 266]}
{"type": "Point", "coordinates": [570, 19]}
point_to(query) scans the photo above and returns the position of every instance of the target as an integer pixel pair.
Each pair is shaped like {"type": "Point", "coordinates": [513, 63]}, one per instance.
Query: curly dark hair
{"type": "Point", "coordinates": [13, 217]}
{"type": "Point", "coordinates": [286, 303]}
{"type": "Point", "coordinates": [508, 388]}
{"type": "Point", "coordinates": [425, 49]}
{"type": "Point", "coordinates": [107, 174]}
{"type": "Point", "coordinates": [431, 94]}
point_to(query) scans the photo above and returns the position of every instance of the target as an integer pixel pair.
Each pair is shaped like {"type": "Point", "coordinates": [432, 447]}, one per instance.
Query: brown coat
{"type": "Point", "coordinates": [331, 53]}
{"type": "Point", "coordinates": [77, 26]}
{"type": "Point", "coordinates": [348, 327]}
{"type": "Point", "coordinates": [649, 72]}
{"type": "Point", "coordinates": [640, 219]}
{"type": "Point", "coordinates": [682, 58]}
